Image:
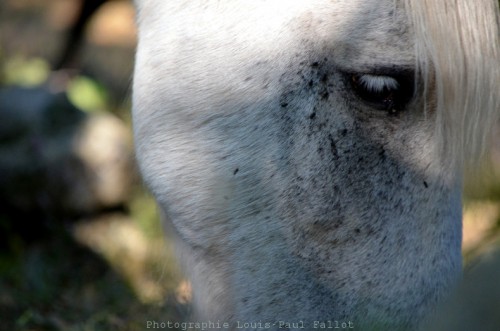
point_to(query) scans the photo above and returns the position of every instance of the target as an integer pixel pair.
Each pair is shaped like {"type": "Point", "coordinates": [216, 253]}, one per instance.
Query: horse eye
{"type": "Point", "coordinates": [389, 93]}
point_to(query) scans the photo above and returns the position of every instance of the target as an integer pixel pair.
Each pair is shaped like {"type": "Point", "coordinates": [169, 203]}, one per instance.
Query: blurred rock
{"type": "Point", "coordinates": [103, 144]}
{"type": "Point", "coordinates": [479, 226]}
{"type": "Point", "coordinates": [57, 162]}
{"type": "Point", "coordinates": [138, 259]}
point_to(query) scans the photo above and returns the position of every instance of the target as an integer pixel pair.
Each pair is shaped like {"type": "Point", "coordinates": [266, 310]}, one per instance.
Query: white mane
{"type": "Point", "coordinates": [457, 48]}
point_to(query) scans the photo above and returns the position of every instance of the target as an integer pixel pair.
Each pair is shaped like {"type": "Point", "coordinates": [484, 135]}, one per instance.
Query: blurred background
{"type": "Point", "coordinates": [81, 247]}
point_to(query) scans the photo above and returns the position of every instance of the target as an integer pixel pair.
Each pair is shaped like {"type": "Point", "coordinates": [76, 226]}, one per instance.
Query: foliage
{"type": "Point", "coordinates": [87, 94]}
{"type": "Point", "coordinates": [22, 71]}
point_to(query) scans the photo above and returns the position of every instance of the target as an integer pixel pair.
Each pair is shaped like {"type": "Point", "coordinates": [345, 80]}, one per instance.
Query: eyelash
{"type": "Point", "coordinates": [390, 93]}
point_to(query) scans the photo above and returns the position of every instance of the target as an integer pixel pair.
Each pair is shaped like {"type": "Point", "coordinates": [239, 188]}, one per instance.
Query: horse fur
{"type": "Point", "coordinates": [289, 196]}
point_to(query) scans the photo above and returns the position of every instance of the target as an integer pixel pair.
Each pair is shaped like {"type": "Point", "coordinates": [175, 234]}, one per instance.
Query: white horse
{"type": "Point", "coordinates": [307, 155]}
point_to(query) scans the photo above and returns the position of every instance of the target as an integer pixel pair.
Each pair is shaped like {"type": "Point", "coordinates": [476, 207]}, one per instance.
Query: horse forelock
{"type": "Point", "coordinates": [458, 58]}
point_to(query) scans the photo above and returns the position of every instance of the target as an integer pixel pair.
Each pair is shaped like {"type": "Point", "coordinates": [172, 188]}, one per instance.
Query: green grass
{"type": "Point", "coordinates": [55, 283]}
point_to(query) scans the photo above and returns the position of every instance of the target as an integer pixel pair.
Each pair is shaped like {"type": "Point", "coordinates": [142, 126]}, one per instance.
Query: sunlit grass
{"type": "Point", "coordinates": [144, 212]}
{"type": "Point", "coordinates": [19, 70]}
{"type": "Point", "coordinates": [87, 94]}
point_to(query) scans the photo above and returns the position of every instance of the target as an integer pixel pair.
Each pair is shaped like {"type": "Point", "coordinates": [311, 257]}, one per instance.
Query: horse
{"type": "Point", "coordinates": [308, 156]}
